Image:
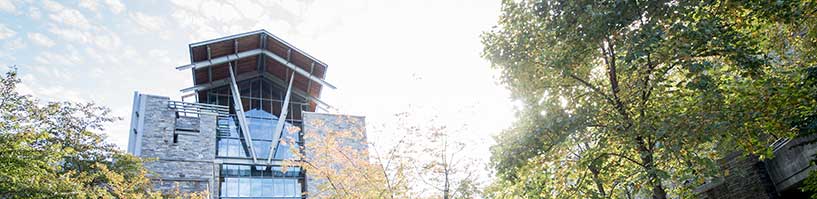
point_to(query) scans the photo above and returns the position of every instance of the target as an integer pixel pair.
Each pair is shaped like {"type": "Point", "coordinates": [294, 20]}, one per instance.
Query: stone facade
{"type": "Point", "coordinates": [181, 149]}
{"type": "Point", "coordinates": [778, 177]}
{"type": "Point", "coordinates": [746, 178]}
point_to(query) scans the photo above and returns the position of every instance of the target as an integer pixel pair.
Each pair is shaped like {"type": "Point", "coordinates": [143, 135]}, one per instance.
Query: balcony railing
{"type": "Point", "coordinates": [195, 109]}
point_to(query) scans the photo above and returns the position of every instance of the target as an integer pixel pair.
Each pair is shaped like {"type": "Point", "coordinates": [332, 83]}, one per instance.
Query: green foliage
{"type": "Point", "coordinates": [629, 99]}
{"type": "Point", "coordinates": [49, 151]}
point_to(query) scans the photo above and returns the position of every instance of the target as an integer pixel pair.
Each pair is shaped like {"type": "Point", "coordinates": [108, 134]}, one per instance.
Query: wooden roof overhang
{"type": "Point", "coordinates": [255, 54]}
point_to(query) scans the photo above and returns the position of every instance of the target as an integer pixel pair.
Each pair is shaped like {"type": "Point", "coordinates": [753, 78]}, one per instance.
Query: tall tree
{"type": "Point", "coordinates": [438, 158]}
{"type": "Point", "coordinates": [634, 98]}
{"type": "Point", "coordinates": [50, 151]}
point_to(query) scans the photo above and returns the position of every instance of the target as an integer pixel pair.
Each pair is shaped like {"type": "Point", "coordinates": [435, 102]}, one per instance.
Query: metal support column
{"type": "Point", "coordinates": [276, 134]}
{"type": "Point", "coordinates": [239, 112]}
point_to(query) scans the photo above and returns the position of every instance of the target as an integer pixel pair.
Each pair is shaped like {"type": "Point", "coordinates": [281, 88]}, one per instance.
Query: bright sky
{"type": "Point", "coordinates": [385, 57]}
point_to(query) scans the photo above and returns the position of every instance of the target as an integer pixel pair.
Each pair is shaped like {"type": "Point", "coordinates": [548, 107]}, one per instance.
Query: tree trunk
{"type": "Point", "coordinates": [445, 190]}
{"type": "Point", "coordinates": [599, 183]}
{"type": "Point", "coordinates": [658, 191]}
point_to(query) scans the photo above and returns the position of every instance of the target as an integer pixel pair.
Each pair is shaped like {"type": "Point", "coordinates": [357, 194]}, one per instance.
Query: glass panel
{"type": "Point", "coordinates": [223, 185]}
{"type": "Point", "coordinates": [278, 187]}
{"type": "Point", "coordinates": [290, 187]}
{"type": "Point", "coordinates": [256, 181]}
{"type": "Point", "coordinates": [298, 192]}
{"type": "Point", "coordinates": [244, 171]}
{"type": "Point", "coordinates": [232, 187]}
{"type": "Point", "coordinates": [261, 149]}
{"type": "Point", "coordinates": [244, 187]}
{"type": "Point", "coordinates": [257, 187]}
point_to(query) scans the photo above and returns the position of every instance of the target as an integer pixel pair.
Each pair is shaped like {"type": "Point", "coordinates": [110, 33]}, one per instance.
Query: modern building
{"type": "Point", "coordinates": [255, 96]}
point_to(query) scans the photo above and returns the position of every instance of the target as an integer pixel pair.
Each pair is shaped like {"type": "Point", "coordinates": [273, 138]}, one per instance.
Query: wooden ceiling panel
{"type": "Point", "coordinates": [222, 48]}
{"type": "Point", "coordinates": [277, 47]}
{"type": "Point", "coordinates": [300, 82]}
{"type": "Point", "coordinates": [199, 53]}
{"type": "Point", "coordinates": [315, 91]}
{"type": "Point", "coordinates": [319, 71]}
{"type": "Point", "coordinates": [201, 76]}
{"type": "Point", "coordinates": [248, 43]}
{"type": "Point", "coordinates": [245, 65]}
{"type": "Point", "coordinates": [275, 68]}
{"type": "Point", "coordinates": [221, 71]}
{"type": "Point", "coordinates": [250, 64]}
{"type": "Point", "coordinates": [300, 60]}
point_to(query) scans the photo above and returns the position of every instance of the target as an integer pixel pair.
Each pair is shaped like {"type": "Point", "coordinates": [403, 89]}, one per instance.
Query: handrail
{"type": "Point", "coordinates": [198, 108]}
{"type": "Point", "coordinates": [779, 144]}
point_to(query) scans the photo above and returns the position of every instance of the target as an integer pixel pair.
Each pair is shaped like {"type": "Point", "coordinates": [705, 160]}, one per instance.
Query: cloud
{"type": "Point", "coordinates": [115, 6]}
{"type": "Point", "coordinates": [66, 16]}
{"type": "Point", "coordinates": [41, 39]}
{"type": "Point", "coordinates": [52, 6]}
{"type": "Point", "coordinates": [7, 6]}
{"type": "Point", "coordinates": [70, 34]}
{"type": "Point", "coordinates": [34, 13]}
{"type": "Point", "coordinates": [91, 5]}
{"type": "Point", "coordinates": [50, 59]}
{"type": "Point", "coordinates": [6, 32]}
{"type": "Point", "coordinates": [14, 44]}
{"type": "Point", "coordinates": [148, 23]}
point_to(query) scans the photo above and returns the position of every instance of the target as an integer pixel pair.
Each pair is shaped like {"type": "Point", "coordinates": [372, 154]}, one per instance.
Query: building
{"type": "Point", "coordinates": [251, 91]}
{"type": "Point", "coordinates": [779, 177]}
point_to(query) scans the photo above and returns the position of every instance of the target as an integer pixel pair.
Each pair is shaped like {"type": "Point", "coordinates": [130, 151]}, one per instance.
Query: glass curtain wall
{"type": "Point", "coordinates": [262, 102]}
{"type": "Point", "coordinates": [244, 181]}
{"type": "Point", "coordinates": [231, 143]}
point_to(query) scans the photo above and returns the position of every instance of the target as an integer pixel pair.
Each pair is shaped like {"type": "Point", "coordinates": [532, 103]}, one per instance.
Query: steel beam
{"type": "Point", "coordinates": [239, 112]}
{"type": "Point", "coordinates": [234, 57]}
{"type": "Point", "coordinates": [276, 134]}
{"type": "Point", "coordinates": [246, 76]}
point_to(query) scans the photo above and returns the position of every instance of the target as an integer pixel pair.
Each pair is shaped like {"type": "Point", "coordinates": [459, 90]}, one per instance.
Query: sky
{"type": "Point", "coordinates": [385, 57]}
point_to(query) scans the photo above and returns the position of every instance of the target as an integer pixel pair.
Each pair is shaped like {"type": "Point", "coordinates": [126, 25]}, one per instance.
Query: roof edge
{"type": "Point", "coordinates": [261, 31]}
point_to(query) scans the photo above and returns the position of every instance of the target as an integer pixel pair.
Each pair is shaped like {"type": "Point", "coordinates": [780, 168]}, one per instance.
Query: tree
{"type": "Point", "coordinates": [435, 152]}
{"type": "Point", "coordinates": [419, 162]}
{"type": "Point", "coordinates": [636, 98]}
{"type": "Point", "coordinates": [49, 151]}
{"type": "Point", "coordinates": [336, 156]}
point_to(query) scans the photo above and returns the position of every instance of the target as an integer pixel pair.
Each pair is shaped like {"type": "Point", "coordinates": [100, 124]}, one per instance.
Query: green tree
{"type": "Point", "coordinates": [49, 150]}
{"type": "Point", "coordinates": [637, 98]}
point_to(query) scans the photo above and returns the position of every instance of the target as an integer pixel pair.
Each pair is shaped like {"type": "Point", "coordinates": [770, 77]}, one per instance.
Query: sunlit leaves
{"type": "Point", "coordinates": [49, 151]}
{"type": "Point", "coordinates": [642, 94]}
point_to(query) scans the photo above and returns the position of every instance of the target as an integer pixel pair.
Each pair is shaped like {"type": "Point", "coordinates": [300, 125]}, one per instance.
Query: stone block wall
{"type": "Point", "coordinates": [792, 163]}
{"type": "Point", "coordinates": [746, 177]}
{"type": "Point", "coordinates": [182, 149]}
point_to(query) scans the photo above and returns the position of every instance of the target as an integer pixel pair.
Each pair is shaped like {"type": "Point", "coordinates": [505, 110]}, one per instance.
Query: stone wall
{"type": "Point", "coordinates": [744, 177]}
{"type": "Point", "coordinates": [792, 163]}
{"type": "Point", "coordinates": [182, 148]}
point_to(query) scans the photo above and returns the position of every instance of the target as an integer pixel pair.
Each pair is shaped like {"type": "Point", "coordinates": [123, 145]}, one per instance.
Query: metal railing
{"type": "Point", "coordinates": [196, 109]}
{"type": "Point", "coordinates": [779, 144]}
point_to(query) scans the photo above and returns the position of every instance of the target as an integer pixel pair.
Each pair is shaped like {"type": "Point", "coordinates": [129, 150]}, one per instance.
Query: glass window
{"type": "Point", "coordinates": [278, 187]}
{"type": "Point", "coordinates": [258, 181]}
{"type": "Point", "coordinates": [244, 171]}
{"type": "Point", "coordinates": [223, 186]}
{"type": "Point", "coordinates": [298, 191]}
{"type": "Point", "coordinates": [257, 187]}
{"type": "Point", "coordinates": [244, 187]}
{"type": "Point", "coordinates": [232, 187]}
